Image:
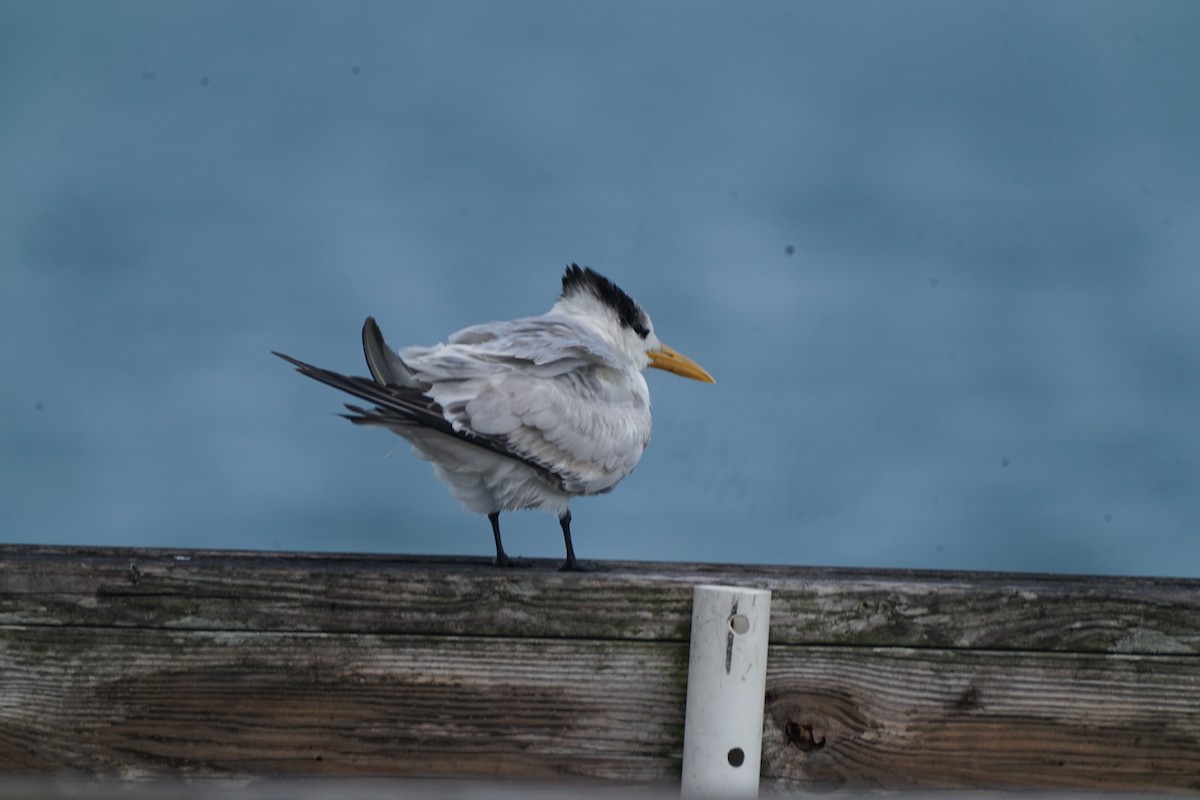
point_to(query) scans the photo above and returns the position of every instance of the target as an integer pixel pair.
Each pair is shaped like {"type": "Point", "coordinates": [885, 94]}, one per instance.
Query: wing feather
{"type": "Point", "coordinates": [551, 390]}
{"type": "Point", "coordinates": [397, 406]}
{"type": "Point", "coordinates": [543, 391]}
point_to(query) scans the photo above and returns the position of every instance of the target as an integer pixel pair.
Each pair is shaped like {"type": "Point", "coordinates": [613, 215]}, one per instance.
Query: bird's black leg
{"type": "Point", "coordinates": [501, 558]}
{"type": "Point", "coordinates": [570, 565]}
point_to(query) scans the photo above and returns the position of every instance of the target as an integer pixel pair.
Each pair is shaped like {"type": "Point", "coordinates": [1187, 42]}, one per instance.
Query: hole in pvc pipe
{"type": "Point", "coordinates": [738, 623]}
{"type": "Point", "coordinates": [736, 757]}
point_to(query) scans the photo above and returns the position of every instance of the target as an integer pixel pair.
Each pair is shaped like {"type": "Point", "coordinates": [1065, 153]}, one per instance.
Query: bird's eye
{"type": "Point", "coordinates": [641, 330]}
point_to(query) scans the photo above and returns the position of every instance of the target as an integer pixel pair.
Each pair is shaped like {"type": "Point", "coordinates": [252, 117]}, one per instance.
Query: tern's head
{"type": "Point", "coordinates": [590, 296]}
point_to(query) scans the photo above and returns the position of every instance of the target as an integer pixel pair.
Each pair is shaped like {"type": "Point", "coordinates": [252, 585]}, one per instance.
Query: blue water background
{"type": "Point", "coordinates": [942, 258]}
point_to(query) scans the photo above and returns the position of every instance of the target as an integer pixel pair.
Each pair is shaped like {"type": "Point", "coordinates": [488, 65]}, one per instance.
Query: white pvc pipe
{"type": "Point", "coordinates": [727, 681]}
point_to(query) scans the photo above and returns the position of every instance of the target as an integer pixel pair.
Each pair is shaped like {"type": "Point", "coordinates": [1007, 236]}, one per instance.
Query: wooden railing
{"type": "Point", "coordinates": [131, 663]}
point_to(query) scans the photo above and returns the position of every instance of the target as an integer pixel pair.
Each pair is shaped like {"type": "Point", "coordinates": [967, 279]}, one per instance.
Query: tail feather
{"type": "Point", "coordinates": [385, 364]}
{"type": "Point", "coordinates": [399, 403]}
{"type": "Point", "coordinates": [402, 405]}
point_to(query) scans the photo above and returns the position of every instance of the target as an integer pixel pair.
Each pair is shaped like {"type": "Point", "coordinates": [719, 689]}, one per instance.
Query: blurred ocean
{"type": "Point", "coordinates": [942, 258]}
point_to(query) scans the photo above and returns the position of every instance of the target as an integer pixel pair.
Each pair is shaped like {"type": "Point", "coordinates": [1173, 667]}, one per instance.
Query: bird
{"type": "Point", "coordinates": [527, 413]}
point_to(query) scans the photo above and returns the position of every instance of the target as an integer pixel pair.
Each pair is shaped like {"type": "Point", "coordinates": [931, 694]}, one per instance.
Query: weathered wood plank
{"type": "Point", "coordinates": [121, 662]}
{"type": "Point", "coordinates": [196, 590]}
{"type": "Point", "coordinates": [958, 719]}
{"type": "Point", "coordinates": [354, 789]}
{"type": "Point", "coordinates": [137, 703]}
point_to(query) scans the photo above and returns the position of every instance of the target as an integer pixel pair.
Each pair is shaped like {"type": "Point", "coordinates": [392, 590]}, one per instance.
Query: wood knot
{"type": "Point", "coordinates": [800, 735]}
{"type": "Point", "coordinates": [969, 699]}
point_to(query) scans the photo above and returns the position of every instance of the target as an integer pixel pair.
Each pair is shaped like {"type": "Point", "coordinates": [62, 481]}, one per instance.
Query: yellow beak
{"type": "Point", "coordinates": [673, 361]}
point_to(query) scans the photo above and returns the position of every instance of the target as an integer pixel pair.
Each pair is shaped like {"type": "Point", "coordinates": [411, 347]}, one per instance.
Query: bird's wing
{"type": "Point", "coordinates": [398, 406]}
{"type": "Point", "coordinates": [549, 390]}
{"type": "Point", "coordinates": [539, 345]}
{"type": "Point", "coordinates": [385, 365]}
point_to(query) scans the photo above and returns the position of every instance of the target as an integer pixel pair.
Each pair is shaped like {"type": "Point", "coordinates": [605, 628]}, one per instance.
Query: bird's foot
{"type": "Point", "coordinates": [512, 562]}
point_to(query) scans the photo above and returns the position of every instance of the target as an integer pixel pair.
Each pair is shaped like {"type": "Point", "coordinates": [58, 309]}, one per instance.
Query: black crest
{"type": "Point", "coordinates": [626, 308]}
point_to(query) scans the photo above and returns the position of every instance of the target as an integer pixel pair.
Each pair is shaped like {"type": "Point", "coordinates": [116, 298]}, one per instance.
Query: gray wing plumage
{"type": "Point", "coordinates": [553, 391]}
{"type": "Point", "coordinates": [397, 405]}
{"type": "Point", "coordinates": [386, 367]}
{"type": "Point", "coordinates": [540, 391]}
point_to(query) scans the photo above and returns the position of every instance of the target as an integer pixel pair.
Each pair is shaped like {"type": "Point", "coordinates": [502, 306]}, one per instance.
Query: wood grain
{"type": "Point", "coordinates": [626, 600]}
{"type": "Point", "coordinates": [958, 719]}
{"type": "Point", "coordinates": [135, 664]}
{"type": "Point", "coordinates": [124, 703]}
